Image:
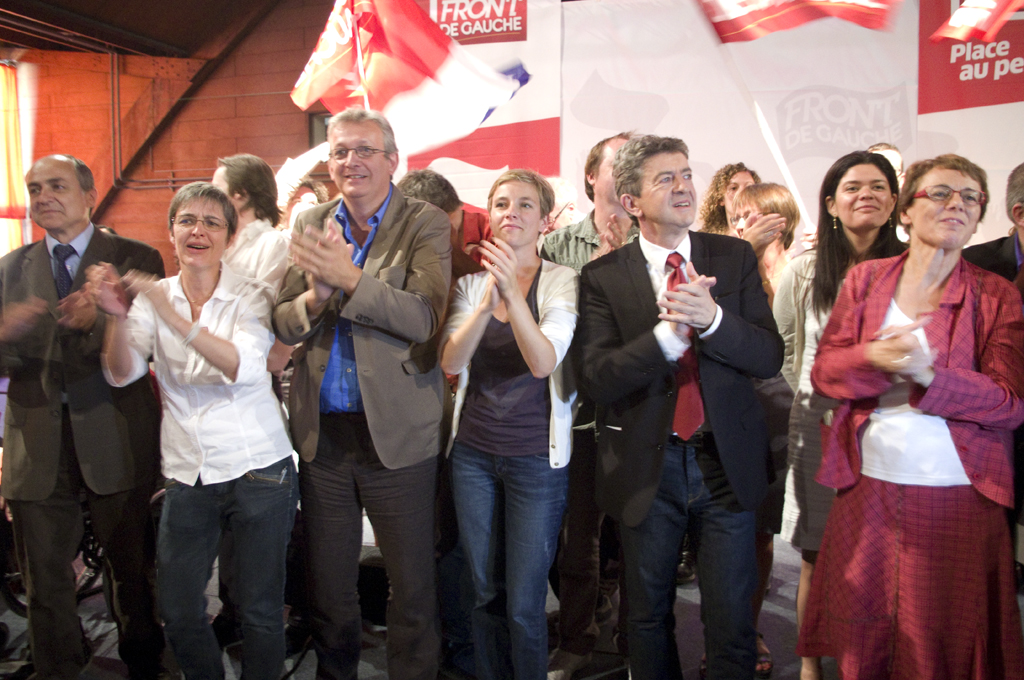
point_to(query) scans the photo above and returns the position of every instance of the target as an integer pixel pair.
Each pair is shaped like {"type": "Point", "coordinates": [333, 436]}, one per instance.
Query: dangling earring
{"type": "Point", "coordinates": [835, 222]}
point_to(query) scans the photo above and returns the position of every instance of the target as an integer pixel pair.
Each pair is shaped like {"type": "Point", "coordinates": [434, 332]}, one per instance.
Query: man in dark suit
{"type": "Point", "coordinates": [1005, 256]}
{"type": "Point", "coordinates": [673, 327]}
{"type": "Point", "coordinates": [69, 434]}
{"type": "Point", "coordinates": [365, 299]}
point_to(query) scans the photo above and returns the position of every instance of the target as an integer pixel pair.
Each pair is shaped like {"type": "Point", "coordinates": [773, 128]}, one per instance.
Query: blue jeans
{"type": "Point", "coordinates": [259, 507]}
{"type": "Point", "coordinates": [509, 511]}
{"type": "Point", "coordinates": [726, 574]}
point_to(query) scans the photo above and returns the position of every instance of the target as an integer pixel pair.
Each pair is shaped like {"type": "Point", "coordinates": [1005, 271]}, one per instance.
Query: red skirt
{"type": "Point", "coordinates": [915, 582]}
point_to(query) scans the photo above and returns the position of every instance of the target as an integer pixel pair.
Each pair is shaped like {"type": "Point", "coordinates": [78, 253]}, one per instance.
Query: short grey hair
{"type": "Point", "coordinates": [1014, 189]}
{"type": "Point", "coordinates": [633, 155]}
{"type": "Point", "coordinates": [203, 192]}
{"type": "Point", "coordinates": [356, 114]}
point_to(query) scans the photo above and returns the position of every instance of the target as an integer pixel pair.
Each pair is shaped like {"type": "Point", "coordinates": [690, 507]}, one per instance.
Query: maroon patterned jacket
{"type": "Point", "coordinates": [977, 343]}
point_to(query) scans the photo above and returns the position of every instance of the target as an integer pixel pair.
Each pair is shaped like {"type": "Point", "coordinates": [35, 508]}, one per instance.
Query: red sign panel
{"type": "Point", "coordinates": [472, 22]}
{"type": "Point", "coordinates": [954, 75]}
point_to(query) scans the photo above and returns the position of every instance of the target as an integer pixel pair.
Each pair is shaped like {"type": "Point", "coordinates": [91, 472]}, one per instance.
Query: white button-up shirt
{"type": "Point", "coordinates": [212, 428]}
{"type": "Point", "coordinates": [259, 252]}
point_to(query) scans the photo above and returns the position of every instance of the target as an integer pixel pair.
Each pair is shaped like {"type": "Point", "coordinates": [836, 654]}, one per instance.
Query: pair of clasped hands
{"type": "Point", "coordinates": [689, 307]}
{"type": "Point", "coordinates": [104, 289]}
{"type": "Point", "coordinates": [896, 350]}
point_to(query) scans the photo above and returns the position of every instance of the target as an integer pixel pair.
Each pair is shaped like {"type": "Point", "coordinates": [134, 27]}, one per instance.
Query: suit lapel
{"type": "Point", "coordinates": [98, 250]}
{"type": "Point", "coordinates": [640, 280]}
{"type": "Point", "coordinates": [40, 275]}
{"type": "Point", "coordinates": [385, 236]}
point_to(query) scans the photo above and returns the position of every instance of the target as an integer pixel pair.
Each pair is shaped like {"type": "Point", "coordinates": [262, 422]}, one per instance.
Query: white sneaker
{"type": "Point", "coordinates": [562, 664]}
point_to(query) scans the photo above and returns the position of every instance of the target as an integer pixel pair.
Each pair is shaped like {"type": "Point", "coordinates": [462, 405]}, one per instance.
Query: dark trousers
{"type": "Point", "coordinates": [696, 498]}
{"type": "Point", "coordinates": [579, 572]}
{"type": "Point", "coordinates": [345, 477]}
{"type": "Point", "coordinates": [47, 534]}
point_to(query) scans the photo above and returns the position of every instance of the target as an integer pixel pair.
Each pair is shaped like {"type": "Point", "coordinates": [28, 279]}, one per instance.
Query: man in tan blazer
{"type": "Point", "coordinates": [365, 298]}
{"type": "Point", "coordinates": [69, 434]}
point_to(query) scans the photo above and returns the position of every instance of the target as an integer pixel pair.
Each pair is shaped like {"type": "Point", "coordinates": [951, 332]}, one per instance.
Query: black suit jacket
{"type": "Point", "coordinates": [626, 373]}
{"type": "Point", "coordinates": [116, 430]}
{"type": "Point", "coordinates": [1000, 257]}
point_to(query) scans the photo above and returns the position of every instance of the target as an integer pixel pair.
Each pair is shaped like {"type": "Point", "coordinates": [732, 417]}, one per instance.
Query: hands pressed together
{"type": "Point", "coordinates": [327, 260]}
{"type": "Point", "coordinates": [895, 350]}
{"type": "Point", "coordinates": [690, 306]}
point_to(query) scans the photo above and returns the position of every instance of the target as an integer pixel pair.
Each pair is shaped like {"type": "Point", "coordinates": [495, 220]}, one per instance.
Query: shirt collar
{"type": "Point", "coordinates": [656, 256]}
{"type": "Point", "coordinates": [79, 243]}
{"type": "Point", "coordinates": [341, 215]}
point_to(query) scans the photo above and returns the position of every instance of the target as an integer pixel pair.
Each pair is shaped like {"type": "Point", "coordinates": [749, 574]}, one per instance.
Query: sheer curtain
{"type": "Point", "coordinates": [12, 182]}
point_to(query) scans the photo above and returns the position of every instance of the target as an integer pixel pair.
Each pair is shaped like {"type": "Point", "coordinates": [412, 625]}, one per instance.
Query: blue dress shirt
{"type": "Point", "coordinates": [339, 392]}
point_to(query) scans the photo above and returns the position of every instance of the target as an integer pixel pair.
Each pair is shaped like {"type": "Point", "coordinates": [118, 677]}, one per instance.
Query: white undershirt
{"type": "Point", "coordinates": [903, 444]}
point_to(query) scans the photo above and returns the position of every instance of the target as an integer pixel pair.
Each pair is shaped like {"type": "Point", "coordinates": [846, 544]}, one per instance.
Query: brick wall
{"type": "Point", "coordinates": [243, 107]}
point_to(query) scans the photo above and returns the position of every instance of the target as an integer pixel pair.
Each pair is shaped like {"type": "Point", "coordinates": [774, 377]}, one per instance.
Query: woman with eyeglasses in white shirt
{"type": "Point", "coordinates": [225, 452]}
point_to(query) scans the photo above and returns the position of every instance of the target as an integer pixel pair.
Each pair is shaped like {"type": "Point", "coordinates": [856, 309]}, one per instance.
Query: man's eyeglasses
{"type": "Point", "coordinates": [190, 221]}
{"type": "Point", "coordinates": [341, 153]}
{"type": "Point", "coordinates": [940, 193]}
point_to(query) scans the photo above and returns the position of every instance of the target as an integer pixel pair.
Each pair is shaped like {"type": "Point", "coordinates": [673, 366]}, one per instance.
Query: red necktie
{"type": "Point", "coordinates": [689, 405]}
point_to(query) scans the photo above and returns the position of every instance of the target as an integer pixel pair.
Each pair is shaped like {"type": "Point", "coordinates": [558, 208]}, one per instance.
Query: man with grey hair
{"type": "Point", "coordinates": [69, 435]}
{"type": "Point", "coordinates": [672, 328]}
{"type": "Point", "coordinates": [1005, 256]}
{"type": "Point", "coordinates": [365, 297]}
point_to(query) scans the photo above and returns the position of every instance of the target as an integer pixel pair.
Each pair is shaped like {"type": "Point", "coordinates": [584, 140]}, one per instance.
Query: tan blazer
{"type": "Point", "coordinates": [396, 312]}
{"type": "Point", "coordinates": [116, 430]}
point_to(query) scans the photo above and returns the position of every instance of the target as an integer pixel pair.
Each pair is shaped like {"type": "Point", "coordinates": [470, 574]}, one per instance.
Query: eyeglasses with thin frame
{"type": "Point", "coordinates": [940, 193]}
{"type": "Point", "coordinates": [190, 221]}
{"type": "Point", "coordinates": [341, 153]}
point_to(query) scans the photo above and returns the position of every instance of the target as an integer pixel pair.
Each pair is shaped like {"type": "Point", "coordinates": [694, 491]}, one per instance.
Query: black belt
{"type": "Point", "coordinates": [699, 440]}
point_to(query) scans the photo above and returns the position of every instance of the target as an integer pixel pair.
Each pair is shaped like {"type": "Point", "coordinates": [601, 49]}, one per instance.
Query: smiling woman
{"type": "Point", "coordinates": [923, 352]}
{"type": "Point", "coordinates": [225, 452]}
{"type": "Point", "coordinates": [508, 330]}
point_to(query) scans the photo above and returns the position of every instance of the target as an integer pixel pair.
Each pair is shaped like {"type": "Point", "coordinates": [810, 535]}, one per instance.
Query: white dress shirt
{"type": "Point", "coordinates": [212, 428]}
{"type": "Point", "coordinates": [259, 252]}
{"type": "Point", "coordinates": [671, 344]}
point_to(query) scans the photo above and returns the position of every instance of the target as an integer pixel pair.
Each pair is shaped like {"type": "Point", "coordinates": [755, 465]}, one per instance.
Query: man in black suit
{"type": "Point", "coordinates": [70, 435]}
{"type": "Point", "coordinates": [668, 353]}
{"type": "Point", "coordinates": [1005, 256]}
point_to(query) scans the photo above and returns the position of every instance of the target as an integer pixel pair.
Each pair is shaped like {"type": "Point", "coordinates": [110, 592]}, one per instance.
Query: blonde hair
{"type": "Point", "coordinates": [771, 198]}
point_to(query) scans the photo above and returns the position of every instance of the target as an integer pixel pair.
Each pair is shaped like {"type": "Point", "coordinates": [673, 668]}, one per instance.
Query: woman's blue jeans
{"type": "Point", "coordinates": [259, 507]}
{"type": "Point", "coordinates": [509, 512]}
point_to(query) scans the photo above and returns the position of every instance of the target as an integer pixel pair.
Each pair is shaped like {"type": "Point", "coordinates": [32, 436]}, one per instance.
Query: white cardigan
{"type": "Point", "coordinates": [557, 293]}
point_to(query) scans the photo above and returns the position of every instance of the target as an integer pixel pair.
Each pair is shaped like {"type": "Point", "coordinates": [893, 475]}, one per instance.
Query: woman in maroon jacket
{"type": "Point", "coordinates": [925, 352]}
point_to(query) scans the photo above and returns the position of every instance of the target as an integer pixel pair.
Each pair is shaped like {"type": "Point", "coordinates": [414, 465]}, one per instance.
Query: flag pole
{"type": "Point", "coordinates": [359, 56]}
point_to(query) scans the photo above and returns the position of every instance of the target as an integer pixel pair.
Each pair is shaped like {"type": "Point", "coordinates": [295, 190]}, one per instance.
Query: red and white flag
{"type": "Point", "coordinates": [977, 20]}
{"type": "Point", "coordinates": [740, 20]}
{"type": "Point", "coordinates": [389, 55]}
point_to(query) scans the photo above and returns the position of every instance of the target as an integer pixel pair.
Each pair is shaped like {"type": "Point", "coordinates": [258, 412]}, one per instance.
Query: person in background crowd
{"type": "Point", "coordinates": [432, 187]}
{"type": "Point", "coordinates": [365, 297]}
{"type": "Point", "coordinates": [856, 220]}
{"type": "Point", "coordinates": [564, 211]}
{"type": "Point", "coordinates": [1004, 256]}
{"type": "Point", "coordinates": [69, 435]}
{"type": "Point", "coordinates": [607, 227]}
{"type": "Point", "coordinates": [579, 564]}
{"type": "Point", "coordinates": [768, 218]}
{"type": "Point", "coordinates": [924, 353]}
{"type": "Point", "coordinates": [308, 194]}
{"type": "Point", "coordinates": [668, 354]}
{"type": "Point", "coordinates": [454, 580]}
{"type": "Point", "coordinates": [717, 215]}
{"type": "Point", "coordinates": [257, 251]}
{"type": "Point", "coordinates": [225, 452]}
{"type": "Point", "coordinates": [891, 154]}
{"type": "Point", "coordinates": [508, 330]}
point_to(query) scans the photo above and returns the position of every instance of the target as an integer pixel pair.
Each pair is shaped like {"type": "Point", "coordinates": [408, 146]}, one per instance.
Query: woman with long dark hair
{"type": "Point", "coordinates": [856, 222]}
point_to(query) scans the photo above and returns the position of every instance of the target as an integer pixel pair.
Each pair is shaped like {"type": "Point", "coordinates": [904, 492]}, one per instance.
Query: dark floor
{"type": "Point", "coordinates": [778, 624]}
